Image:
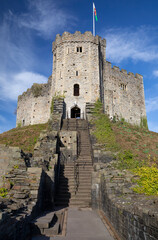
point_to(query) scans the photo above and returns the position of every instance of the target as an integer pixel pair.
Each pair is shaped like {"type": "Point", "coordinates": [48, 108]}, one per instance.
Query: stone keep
{"type": "Point", "coordinates": [82, 75]}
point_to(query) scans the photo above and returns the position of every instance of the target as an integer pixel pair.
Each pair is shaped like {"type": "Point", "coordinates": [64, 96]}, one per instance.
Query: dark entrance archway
{"type": "Point", "coordinates": [75, 112]}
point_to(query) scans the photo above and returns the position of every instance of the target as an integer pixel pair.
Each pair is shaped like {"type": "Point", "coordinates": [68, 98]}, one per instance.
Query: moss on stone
{"type": "Point", "coordinates": [36, 89]}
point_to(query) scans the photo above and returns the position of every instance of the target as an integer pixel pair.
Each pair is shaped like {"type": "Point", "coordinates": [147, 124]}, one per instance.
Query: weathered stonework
{"type": "Point", "coordinates": [123, 94]}
{"type": "Point", "coordinates": [34, 105]}
{"type": "Point", "coordinates": [80, 60]}
{"type": "Point", "coordinates": [133, 216]}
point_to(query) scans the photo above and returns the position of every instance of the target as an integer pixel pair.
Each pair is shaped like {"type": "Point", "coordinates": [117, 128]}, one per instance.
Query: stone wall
{"type": "Point", "coordinates": [132, 215]}
{"type": "Point", "coordinates": [30, 190]}
{"type": "Point", "coordinates": [34, 105]}
{"type": "Point", "coordinates": [9, 157]}
{"type": "Point", "coordinates": [74, 67]}
{"type": "Point", "coordinates": [81, 59]}
{"type": "Point", "coordinates": [68, 145]}
{"type": "Point", "coordinates": [31, 184]}
{"type": "Point", "coordinates": [25, 201]}
{"type": "Point", "coordinates": [123, 94]}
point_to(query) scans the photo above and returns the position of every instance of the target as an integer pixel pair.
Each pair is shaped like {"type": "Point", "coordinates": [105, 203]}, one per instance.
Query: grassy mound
{"type": "Point", "coordinates": [136, 147]}
{"type": "Point", "coordinates": [23, 137]}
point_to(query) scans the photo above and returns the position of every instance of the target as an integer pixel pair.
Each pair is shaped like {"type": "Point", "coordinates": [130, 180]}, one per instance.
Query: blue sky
{"type": "Point", "coordinates": [28, 27]}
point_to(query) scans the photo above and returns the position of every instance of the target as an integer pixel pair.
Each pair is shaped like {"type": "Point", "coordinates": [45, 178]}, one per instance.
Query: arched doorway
{"type": "Point", "coordinates": [75, 112]}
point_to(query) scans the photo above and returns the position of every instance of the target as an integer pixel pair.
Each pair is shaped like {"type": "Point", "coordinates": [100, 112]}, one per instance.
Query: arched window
{"type": "Point", "coordinates": [76, 90]}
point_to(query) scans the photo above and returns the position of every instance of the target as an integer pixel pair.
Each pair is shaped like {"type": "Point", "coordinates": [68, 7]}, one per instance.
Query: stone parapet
{"type": "Point", "coordinates": [116, 68]}
{"type": "Point", "coordinates": [133, 216]}
{"type": "Point", "coordinates": [78, 37]}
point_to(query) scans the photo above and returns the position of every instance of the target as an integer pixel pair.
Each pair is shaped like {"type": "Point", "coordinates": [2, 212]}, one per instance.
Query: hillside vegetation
{"type": "Point", "coordinates": [23, 137]}
{"type": "Point", "coordinates": [135, 148]}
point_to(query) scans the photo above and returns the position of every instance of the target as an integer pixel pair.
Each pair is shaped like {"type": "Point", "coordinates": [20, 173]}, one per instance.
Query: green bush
{"type": "Point", "coordinates": [36, 89]}
{"type": "Point", "coordinates": [144, 123]}
{"type": "Point", "coordinates": [3, 192]}
{"type": "Point", "coordinates": [126, 160]}
{"type": "Point", "coordinates": [52, 105]}
{"type": "Point", "coordinates": [147, 182]}
{"type": "Point", "coordinates": [19, 125]}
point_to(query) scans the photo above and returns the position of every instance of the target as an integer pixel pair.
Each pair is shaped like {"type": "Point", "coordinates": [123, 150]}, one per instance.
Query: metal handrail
{"type": "Point", "coordinates": [78, 144]}
{"type": "Point", "coordinates": [90, 142]}
{"type": "Point", "coordinates": [76, 176]}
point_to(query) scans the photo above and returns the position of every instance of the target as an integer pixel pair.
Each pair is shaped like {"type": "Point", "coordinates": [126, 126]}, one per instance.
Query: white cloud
{"type": "Point", "coordinates": [45, 17]}
{"type": "Point", "coordinates": [152, 104]}
{"type": "Point", "coordinates": [153, 126]}
{"type": "Point", "coordinates": [136, 44]}
{"type": "Point", "coordinates": [2, 119]}
{"type": "Point", "coordinates": [18, 63]}
{"type": "Point", "coordinates": [16, 84]}
{"type": "Point", "coordinates": [155, 73]}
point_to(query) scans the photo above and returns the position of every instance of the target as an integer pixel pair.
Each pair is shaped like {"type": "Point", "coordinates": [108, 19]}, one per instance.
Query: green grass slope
{"type": "Point", "coordinates": [23, 137]}
{"type": "Point", "coordinates": [135, 148]}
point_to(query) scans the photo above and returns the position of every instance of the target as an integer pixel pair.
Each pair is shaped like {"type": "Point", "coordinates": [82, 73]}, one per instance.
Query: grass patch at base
{"type": "Point", "coordinates": [24, 137]}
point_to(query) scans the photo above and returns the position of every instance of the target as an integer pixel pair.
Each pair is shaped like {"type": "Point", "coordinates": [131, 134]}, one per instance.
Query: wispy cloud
{"type": "Point", "coordinates": [153, 126]}
{"type": "Point", "coordinates": [16, 84]}
{"type": "Point", "coordinates": [155, 73]}
{"type": "Point", "coordinates": [135, 44]}
{"type": "Point", "coordinates": [18, 64]}
{"type": "Point", "coordinates": [45, 17]}
{"type": "Point", "coordinates": [152, 104]}
{"type": "Point", "coordinates": [2, 119]}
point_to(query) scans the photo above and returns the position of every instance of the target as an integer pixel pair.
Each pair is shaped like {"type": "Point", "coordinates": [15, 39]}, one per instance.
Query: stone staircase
{"type": "Point", "coordinates": [48, 224]}
{"type": "Point", "coordinates": [75, 186]}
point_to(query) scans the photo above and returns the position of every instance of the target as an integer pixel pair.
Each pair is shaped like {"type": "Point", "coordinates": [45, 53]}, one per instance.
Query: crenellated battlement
{"type": "Point", "coordinates": [81, 74]}
{"type": "Point", "coordinates": [78, 37]}
{"type": "Point", "coordinates": [117, 69]}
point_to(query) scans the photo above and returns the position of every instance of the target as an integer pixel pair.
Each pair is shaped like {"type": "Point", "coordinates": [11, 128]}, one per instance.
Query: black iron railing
{"type": "Point", "coordinates": [76, 176]}
{"type": "Point", "coordinates": [90, 141]}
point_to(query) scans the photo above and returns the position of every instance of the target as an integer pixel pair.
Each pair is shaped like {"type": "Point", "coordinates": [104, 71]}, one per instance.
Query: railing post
{"type": "Point", "coordinates": [90, 143]}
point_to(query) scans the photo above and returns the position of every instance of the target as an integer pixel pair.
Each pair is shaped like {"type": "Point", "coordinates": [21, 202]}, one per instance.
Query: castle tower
{"type": "Point", "coordinates": [77, 70]}
{"type": "Point", "coordinates": [82, 75]}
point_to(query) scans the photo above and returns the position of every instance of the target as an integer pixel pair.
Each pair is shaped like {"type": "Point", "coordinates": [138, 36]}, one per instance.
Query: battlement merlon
{"type": "Point", "coordinates": [78, 37]}
{"type": "Point", "coordinates": [115, 68]}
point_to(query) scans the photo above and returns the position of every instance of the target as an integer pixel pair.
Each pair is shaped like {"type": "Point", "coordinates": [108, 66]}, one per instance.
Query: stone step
{"type": "Point", "coordinates": [53, 231]}
{"type": "Point", "coordinates": [71, 176]}
{"type": "Point", "coordinates": [48, 224]}
{"type": "Point", "coordinates": [78, 203]}
{"type": "Point", "coordinates": [81, 165]}
{"type": "Point", "coordinates": [70, 189]}
{"type": "Point", "coordinates": [72, 185]}
{"type": "Point", "coordinates": [45, 220]}
{"type": "Point", "coordinates": [82, 176]}
{"type": "Point", "coordinates": [78, 195]}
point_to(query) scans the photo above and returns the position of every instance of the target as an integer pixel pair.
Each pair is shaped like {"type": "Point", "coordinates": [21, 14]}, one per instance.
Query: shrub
{"type": "Point", "coordinates": [57, 96]}
{"type": "Point", "coordinates": [143, 122]}
{"type": "Point", "coordinates": [147, 182]}
{"type": "Point", "coordinates": [36, 89]}
{"type": "Point", "coordinates": [19, 125]}
{"type": "Point", "coordinates": [126, 160]}
{"type": "Point", "coordinates": [52, 105]}
{"type": "Point", "coordinates": [3, 192]}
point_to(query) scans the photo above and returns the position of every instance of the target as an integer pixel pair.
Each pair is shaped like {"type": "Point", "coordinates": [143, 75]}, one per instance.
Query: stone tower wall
{"type": "Point", "coordinates": [34, 105]}
{"type": "Point", "coordinates": [67, 62]}
{"type": "Point", "coordinates": [123, 94]}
